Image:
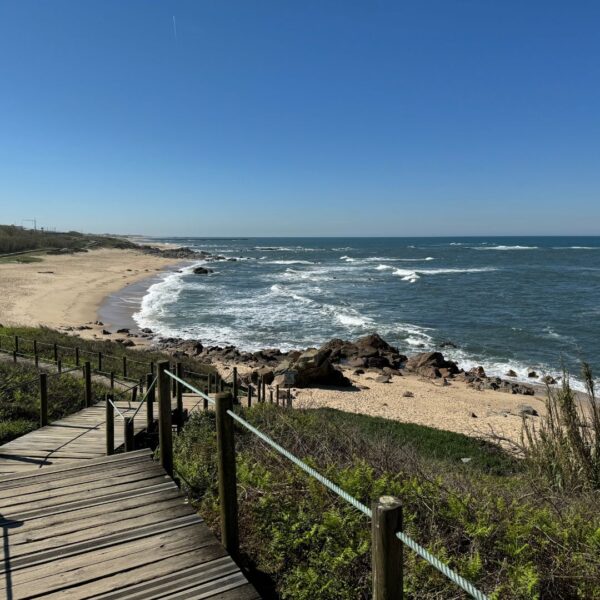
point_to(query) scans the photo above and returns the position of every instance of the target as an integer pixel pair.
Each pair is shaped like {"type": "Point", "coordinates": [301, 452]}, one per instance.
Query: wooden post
{"type": "Point", "coordinates": [59, 366]}
{"type": "Point", "coordinates": [134, 394]}
{"type": "Point", "coordinates": [128, 434]}
{"type": "Point", "coordinates": [165, 435]}
{"type": "Point", "coordinates": [227, 474]}
{"type": "Point", "coordinates": [99, 361]}
{"type": "Point", "coordinates": [258, 389]}
{"type": "Point", "coordinates": [43, 399]}
{"type": "Point", "coordinates": [87, 375]}
{"type": "Point", "coordinates": [204, 400]}
{"type": "Point", "coordinates": [110, 426]}
{"type": "Point", "coordinates": [150, 394]}
{"type": "Point", "coordinates": [14, 356]}
{"type": "Point", "coordinates": [386, 549]}
{"type": "Point", "coordinates": [112, 380]}
{"type": "Point", "coordinates": [249, 395]}
{"type": "Point", "coordinates": [209, 388]}
{"type": "Point", "coordinates": [270, 395]}
{"type": "Point", "coordinates": [55, 352]}
{"type": "Point", "coordinates": [16, 345]}
{"type": "Point", "coordinates": [77, 356]}
{"type": "Point", "coordinates": [277, 395]}
{"type": "Point", "coordinates": [235, 385]}
{"type": "Point", "coordinates": [179, 396]}
{"type": "Point", "coordinates": [124, 366]}
{"type": "Point", "coordinates": [152, 368]}
{"type": "Point", "coordinates": [289, 398]}
{"type": "Point", "coordinates": [264, 389]}
{"type": "Point", "coordinates": [173, 368]}
{"type": "Point", "coordinates": [36, 358]}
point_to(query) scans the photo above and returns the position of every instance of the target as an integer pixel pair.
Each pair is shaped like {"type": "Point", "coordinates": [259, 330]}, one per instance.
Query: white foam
{"type": "Point", "coordinates": [413, 275]}
{"type": "Point", "coordinates": [290, 262]}
{"type": "Point", "coordinates": [505, 248]}
{"type": "Point", "coordinates": [389, 259]}
{"type": "Point", "coordinates": [383, 267]}
{"type": "Point", "coordinates": [576, 248]}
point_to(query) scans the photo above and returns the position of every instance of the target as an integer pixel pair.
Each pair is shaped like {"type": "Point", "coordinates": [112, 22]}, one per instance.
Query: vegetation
{"type": "Point", "coordinates": [565, 448]}
{"type": "Point", "coordinates": [138, 360]}
{"type": "Point", "coordinates": [494, 520]}
{"type": "Point", "coordinates": [18, 239]}
{"type": "Point", "coordinates": [20, 398]}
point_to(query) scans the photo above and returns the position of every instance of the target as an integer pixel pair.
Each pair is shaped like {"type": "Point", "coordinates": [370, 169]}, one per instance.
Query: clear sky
{"type": "Point", "coordinates": [344, 117]}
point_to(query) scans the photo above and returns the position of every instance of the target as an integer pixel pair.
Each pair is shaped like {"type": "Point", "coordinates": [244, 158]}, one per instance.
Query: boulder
{"type": "Point", "coordinates": [123, 330]}
{"type": "Point", "coordinates": [313, 368]}
{"type": "Point", "coordinates": [525, 409]}
{"type": "Point", "coordinates": [408, 394]}
{"type": "Point", "coordinates": [548, 380]}
{"type": "Point", "coordinates": [383, 379]}
{"type": "Point", "coordinates": [477, 371]}
{"type": "Point", "coordinates": [357, 362]}
{"type": "Point", "coordinates": [511, 373]}
{"type": "Point", "coordinates": [202, 271]}
{"type": "Point", "coordinates": [532, 374]}
{"type": "Point", "coordinates": [429, 363]}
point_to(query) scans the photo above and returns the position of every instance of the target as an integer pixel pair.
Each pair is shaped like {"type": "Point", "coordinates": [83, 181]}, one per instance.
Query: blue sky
{"type": "Point", "coordinates": [460, 117]}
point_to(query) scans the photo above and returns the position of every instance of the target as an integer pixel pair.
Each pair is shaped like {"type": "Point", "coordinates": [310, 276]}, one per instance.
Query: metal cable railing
{"type": "Point", "coordinates": [403, 537]}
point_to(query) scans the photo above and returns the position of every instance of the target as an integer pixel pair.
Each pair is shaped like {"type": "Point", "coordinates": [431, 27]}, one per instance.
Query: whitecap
{"type": "Point", "coordinates": [505, 248]}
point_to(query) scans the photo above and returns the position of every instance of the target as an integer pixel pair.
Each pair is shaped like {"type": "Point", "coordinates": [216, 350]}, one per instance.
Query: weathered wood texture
{"type": "Point", "coordinates": [107, 528]}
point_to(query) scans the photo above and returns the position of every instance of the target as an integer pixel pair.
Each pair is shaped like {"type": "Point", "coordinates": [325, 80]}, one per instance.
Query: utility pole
{"type": "Point", "coordinates": [34, 221]}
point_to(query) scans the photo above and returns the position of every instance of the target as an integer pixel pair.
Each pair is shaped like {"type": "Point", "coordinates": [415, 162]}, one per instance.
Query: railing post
{"type": "Point", "coordinates": [264, 389]}
{"type": "Point", "coordinates": [204, 400]}
{"type": "Point", "coordinates": [134, 394]}
{"type": "Point", "coordinates": [258, 387]}
{"type": "Point", "coordinates": [235, 385]}
{"type": "Point", "coordinates": [179, 396]}
{"type": "Point", "coordinates": [277, 395]}
{"type": "Point", "coordinates": [386, 549]}
{"type": "Point", "coordinates": [150, 393]}
{"type": "Point", "coordinates": [36, 358]}
{"type": "Point", "coordinates": [87, 374]}
{"type": "Point", "coordinates": [165, 434]}
{"type": "Point", "coordinates": [43, 399]}
{"type": "Point", "coordinates": [152, 368]}
{"type": "Point", "coordinates": [16, 345]}
{"type": "Point", "coordinates": [99, 361]}
{"type": "Point", "coordinates": [128, 433]}
{"type": "Point", "coordinates": [15, 356]}
{"type": "Point", "coordinates": [270, 395]}
{"type": "Point", "coordinates": [59, 366]}
{"type": "Point", "coordinates": [77, 356]}
{"type": "Point", "coordinates": [249, 395]}
{"type": "Point", "coordinates": [112, 380]}
{"type": "Point", "coordinates": [55, 351]}
{"type": "Point", "coordinates": [173, 368]}
{"type": "Point", "coordinates": [227, 474]}
{"type": "Point", "coordinates": [209, 384]}
{"type": "Point", "coordinates": [110, 426]}
{"type": "Point", "coordinates": [124, 366]}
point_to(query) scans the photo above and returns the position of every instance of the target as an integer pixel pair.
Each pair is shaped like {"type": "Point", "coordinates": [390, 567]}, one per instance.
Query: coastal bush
{"type": "Point", "coordinates": [20, 398]}
{"type": "Point", "coordinates": [138, 358]}
{"type": "Point", "coordinates": [495, 523]}
{"type": "Point", "coordinates": [565, 446]}
{"type": "Point", "coordinates": [18, 239]}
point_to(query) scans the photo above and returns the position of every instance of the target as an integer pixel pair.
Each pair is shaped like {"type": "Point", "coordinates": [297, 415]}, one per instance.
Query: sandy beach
{"type": "Point", "coordinates": [67, 290]}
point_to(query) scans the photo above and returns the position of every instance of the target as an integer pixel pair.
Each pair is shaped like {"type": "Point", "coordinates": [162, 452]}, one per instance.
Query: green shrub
{"type": "Point", "coordinates": [497, 525]}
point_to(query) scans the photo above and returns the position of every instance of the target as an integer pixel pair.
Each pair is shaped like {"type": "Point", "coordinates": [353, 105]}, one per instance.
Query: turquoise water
{"type": "Point", "coordinates": [515, 303]}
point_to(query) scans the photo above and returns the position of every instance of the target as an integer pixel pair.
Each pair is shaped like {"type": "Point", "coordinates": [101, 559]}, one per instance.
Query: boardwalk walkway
{"type": "Point", "coordinates": [77, 524]}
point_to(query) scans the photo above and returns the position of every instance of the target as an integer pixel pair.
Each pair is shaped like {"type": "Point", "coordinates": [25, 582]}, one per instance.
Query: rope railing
{"type": "Point", "coordinates": [145, 397]}
{"type": "Point", "coordinates": [403, 537]}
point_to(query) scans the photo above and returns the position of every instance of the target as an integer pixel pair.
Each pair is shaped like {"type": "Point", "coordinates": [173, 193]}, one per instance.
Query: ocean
{"type": "Point", "coordinates": [504, 303]}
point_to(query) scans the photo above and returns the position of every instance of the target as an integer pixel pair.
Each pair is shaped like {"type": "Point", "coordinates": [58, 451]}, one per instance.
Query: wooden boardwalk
{"type": "Point", "coordinates": [79, 436]}
{"type": "Point", "coordinates": [112, 527]}
{"type": "Point", "coordinates": [77, 524]}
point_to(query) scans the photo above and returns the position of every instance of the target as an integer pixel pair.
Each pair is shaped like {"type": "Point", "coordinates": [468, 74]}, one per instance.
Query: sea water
{"type": "Point", "coordinates": [505, 303]}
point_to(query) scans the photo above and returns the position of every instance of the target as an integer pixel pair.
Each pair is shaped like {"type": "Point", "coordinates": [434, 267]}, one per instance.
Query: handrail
{"type": "Point", "coordinates": [467, 586]}
{"type": "Point", "coordinates": [150, 388]}
{"type": "Point", "coordinates": [108, 399]}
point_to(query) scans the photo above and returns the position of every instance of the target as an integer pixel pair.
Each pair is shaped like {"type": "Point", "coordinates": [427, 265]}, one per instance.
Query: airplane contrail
{"type": "Point", "coordinates": [175, 27]}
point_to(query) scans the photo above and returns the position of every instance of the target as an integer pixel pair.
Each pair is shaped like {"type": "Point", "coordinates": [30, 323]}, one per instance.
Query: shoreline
{"type": "Point", "coordinates": [66, 291]}
{"type": "Point", "coordinates": [110, 285]}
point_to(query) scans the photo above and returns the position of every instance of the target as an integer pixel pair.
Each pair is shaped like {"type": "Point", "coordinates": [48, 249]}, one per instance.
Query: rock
{"type": "Point", "coordinates": [473, 415]}
{"type": "Point", "coordinates": [265, 373]}
{"type": "Point", "coordinates": [99, 323]}
{"type": "Point", "coordinates": [105, 332]}
{"type": "Point", "coordinates": [82, 327]}
{"type": "Point", "coordinates": [549, 380]}
{"type": "Point", "coordinates": [202, 271]}
{"type": "Point", "coordinates": [377, 362]}
{"type": "Point", "coordinates": [123, 330]}
{"type": "Point", "coordinates": [313, 368]}
{"type": "Point", "coordinates": [511, 373]}
{"type": "Point", "coordinates": [383, 379]}
{"type": "Point", "coordinates": [466, 460]}
{"type": "Point", "coordinates": [525, 409]}
{"type": "Point", "coordinates": [428, 364]}
{"type": "Point", "coordinates": [147, 330]}
{"type": "Point", "coordinates": [477, 371]}
{"type": "Point", "coordinates": [358, 372]}
{"type": "Point", "coordinates": [532, 374]}
{"type": "Point", "coordinates": [357, 362]}
{"type": "Point", "coordinates": [128, 343]}
{"type": "Point", "coordinates": [408, 395]}
{"type": "Point", "coordinates": [448, 344]}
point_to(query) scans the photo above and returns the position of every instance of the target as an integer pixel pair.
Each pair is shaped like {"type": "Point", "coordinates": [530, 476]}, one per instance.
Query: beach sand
{"type": "Point", "coordinates": [67, 290]}
{"type": "Point", "coordinates": [449, 407]}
